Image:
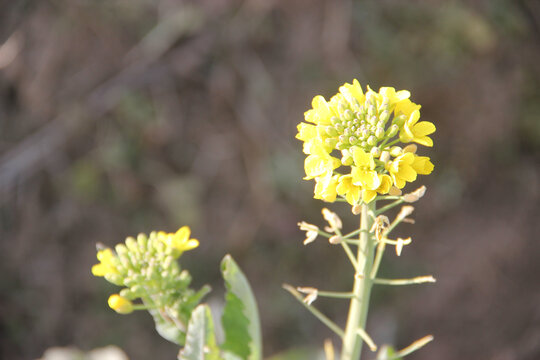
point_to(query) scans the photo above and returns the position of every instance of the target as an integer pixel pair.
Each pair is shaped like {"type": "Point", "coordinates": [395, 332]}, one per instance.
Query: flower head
{"type": "Point", "coordinates": [350, 142]}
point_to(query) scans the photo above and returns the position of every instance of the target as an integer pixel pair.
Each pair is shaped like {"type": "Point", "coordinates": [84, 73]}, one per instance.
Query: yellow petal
{"type": "Point", "coordinates": [306, 131]}
{"type": "Point", "coordinates": [423, 128]}
{"type": "Point", "coordinates": [426, 141]}
{"type": "Point", "coordinates": [368, 195]}
{"type": "Point", "coordinates": [183, 233]}
{"type": "Point", "coordinates": [99, 270]}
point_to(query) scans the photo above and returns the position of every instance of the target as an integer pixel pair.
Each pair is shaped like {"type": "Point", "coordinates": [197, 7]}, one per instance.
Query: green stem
{"type": "Point", "coordinates": [352, 342]}
{"type": "Point", "coordinates": [389, 206]}
{"type": "Point", "coordinates": [336, 294]}
{"type": "Point", "coordinates": [314, 311]}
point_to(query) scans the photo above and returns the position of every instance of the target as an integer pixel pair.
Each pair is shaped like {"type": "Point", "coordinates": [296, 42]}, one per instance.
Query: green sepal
{"type": "Point", "coordinates": [240, 319]}
{"type": "Point", "coordinates": [200, 338]}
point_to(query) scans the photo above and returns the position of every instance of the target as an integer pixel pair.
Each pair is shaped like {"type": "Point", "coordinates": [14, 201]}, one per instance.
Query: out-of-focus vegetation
{"type": "Point", "coordinates": [123, 116]}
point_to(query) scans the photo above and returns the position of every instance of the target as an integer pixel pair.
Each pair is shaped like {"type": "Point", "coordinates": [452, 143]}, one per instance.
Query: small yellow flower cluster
{"type": "Point", "coordinates": [364, 129]}
{"type": "Point", "coordinates": [145, 265]}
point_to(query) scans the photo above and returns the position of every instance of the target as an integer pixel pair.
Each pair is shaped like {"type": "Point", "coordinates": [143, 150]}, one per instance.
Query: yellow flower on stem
{"type": "Point", "coordinates": [422, 165]}
{"type": "Point", "coordinates": [325, 188]}
{"type": "Point", "coordinates": [180, 240]}
{"type": "Point", "coordinates": [417, 131]}
{"type": "Point", "coordinates": [321, 112]}
{"type": "Point", "coordinates": [120, 304]}
{"type": "Point", "coordinates": [405, 107]}
{"type": "Point", "coordinates": [107, 263]}
{"type": "Point", "coordinates": [363, 172]}
{"type": "Point", "coordinates": [401, 169]}
{"type": "Point", "coordinates": [319, 162]}
{"type": "Point", "coordinates": [384, 188]}
{"type": "Point", "coordinates": [348, 189]}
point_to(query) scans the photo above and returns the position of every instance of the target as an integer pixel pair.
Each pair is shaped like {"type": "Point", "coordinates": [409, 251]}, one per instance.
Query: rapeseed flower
{"type": "Point", "coordinates": [179, 241]}
{"type": "Point", "coordinates": [350, 142]}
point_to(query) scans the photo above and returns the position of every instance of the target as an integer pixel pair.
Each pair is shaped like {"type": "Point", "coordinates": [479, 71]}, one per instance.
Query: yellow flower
{"type": "Point", "coordinates": [120, 304]}
{"type": "Point", "coordinates": [319, 162]}
{"type": "Point", "coordinates": [321, 112]}
{"type": "Point", "coordinates": [179, 240]}
{"type": "Point", "coordinates": [422, 165]}
{"type": "Point", "coordinates": [352, 92]}
{"type": "Point", "coordinates": [363, 172]}
{"type": "Point", "coordinates": [401, 169]}
{"type": "Point", "coordinates": [325, 188]}
{"type": "Point", "coordinates": [392, 97]}
{"type": "Point", "coordinates": [348, 189]}
{"type": "Point", "coordinates": [384, 188]}
{"type": "Point", "coordinates": [405, 107]}
{"type": "Point", "coordinates": [417, 131]}
{"type": "Point", "coordinates": [107, 264]}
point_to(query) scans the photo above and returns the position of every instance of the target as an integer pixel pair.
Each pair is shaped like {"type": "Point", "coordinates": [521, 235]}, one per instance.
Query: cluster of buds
{"type": "Point", "coordinates": [364, 130]}
{"type": "Point", "coordinates": [147, 269]}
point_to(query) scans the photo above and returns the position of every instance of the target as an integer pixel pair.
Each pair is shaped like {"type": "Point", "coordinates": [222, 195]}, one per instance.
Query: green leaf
{"type": "Point", "coordinates": [240, 317]}
{"type": "Point", "coordinates": [236, 326]}
{"type": "Point", "coordinates": [200, 339]}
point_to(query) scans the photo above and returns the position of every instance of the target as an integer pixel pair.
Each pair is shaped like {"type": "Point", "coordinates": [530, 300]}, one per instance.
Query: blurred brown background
{"type": "Point", "coordinates": [124, 116]}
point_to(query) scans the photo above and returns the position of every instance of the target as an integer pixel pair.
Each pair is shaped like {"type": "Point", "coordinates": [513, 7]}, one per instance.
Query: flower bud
{"type": "Point", "coordinates": [384, 116]}
{"type": "Point", "coordinates": [331, 142]}
{"type": "Point", "coordinates": [120, 304]}
{"type": "Point", "coordinates": [347, 159]}
{"type": "Point", "coordinates": [385, 156]}
{"type": "Point", "coordinates": [379, 133]}
{"type": "Point", "coordinates": [400, 120]}
{"type": "Point", "coordinates": [353, 140]}
{"type": "Point", "coordinates": [331, 131]}
{"type": "Point", "coordinates": [395, 151]}
{"type": "Point", "coordinates": [375, 151]}
{"type": "Point", "coordinates": [335, 120]}
{"type": "Point", "coordinates": [348, 115]}
{"type": "Point", "coordinates": [341, 108]}
{"type": "Point", "coordinates": [372, 140]}
{"type": "Point", "coordinates": [392, 130]}
{"type": "Point", "coordinates": [411, 148]}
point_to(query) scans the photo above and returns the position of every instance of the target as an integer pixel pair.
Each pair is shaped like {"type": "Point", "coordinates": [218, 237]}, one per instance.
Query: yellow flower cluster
{"type": "Point", "coordinates": [364, 130]}
{"type": "Point", "coordinates": [143, 263]}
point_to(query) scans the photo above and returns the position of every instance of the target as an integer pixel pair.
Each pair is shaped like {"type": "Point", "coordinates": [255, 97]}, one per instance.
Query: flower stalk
{"type": "Point", "coordinates": [358, 309]}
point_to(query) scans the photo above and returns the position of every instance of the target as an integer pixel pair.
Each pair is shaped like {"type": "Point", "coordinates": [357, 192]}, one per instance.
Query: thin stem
{"type": "Point", "coordinates": [336, 294]}
{"type": "Point", "coordinates": [378, 258]}
{"type": "Point", "coordinates": [354, 233]}
{"type": "Point", "coordinates": [352, 342]}
{"type": "Point", "coordinates": [350, 254]}
{"type": "Point", "coordinates": [326, 321]}
{"type": "Point", "coordinates": [415, 280]}
{"type": "Point", "coordinates": [389, 206]}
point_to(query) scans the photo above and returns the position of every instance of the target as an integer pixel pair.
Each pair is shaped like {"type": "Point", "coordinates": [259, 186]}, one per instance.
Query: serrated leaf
{"type": "Point", "coordinates": [200, 339]}
{"type": "Point", "coordinates": [240, 317]}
